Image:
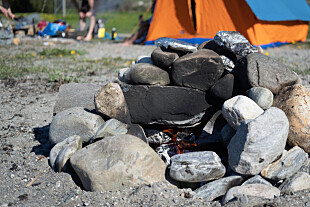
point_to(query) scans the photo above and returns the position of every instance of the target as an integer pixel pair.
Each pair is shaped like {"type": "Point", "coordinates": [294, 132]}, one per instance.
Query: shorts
{"type": "Point", "coordinates": [5, 4]}
{"type": "Point", "coordinates": [85, 7]}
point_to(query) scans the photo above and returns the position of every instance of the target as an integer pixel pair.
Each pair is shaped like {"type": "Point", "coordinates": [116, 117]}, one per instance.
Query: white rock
{"type": "Point", "coordinates": [240, 108]}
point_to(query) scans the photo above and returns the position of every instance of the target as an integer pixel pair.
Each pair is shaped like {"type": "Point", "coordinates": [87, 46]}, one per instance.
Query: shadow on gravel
{"type": "Point", "coordinates": [41, 134]}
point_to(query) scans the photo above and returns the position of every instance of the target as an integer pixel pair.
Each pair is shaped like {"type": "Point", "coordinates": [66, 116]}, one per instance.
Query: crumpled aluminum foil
{"type": "Point", "coordinates": [175, 44]}
{"type": "Point", "coordinates": [165, 152]}
{"type": "Point", "coordinates": [234, 42]}
{"type": "Point", "coordinates": [228, 63]}
{"type": "Point", "coordinates": [156, 137]}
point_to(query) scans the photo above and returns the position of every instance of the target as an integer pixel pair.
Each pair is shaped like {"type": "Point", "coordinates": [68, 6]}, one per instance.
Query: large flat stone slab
{"type": "Point", "coordinates": [165, 105]}
{"type": "Point", "coordinates": [76, 95]}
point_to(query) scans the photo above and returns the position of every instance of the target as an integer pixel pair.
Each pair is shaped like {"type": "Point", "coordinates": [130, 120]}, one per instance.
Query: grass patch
{"type": "Point", "coordinates": [60, 52]}
{"type": "Point", "coordinates": [18, 71]}
{"type": "Point", "coordinates": [48, 65]}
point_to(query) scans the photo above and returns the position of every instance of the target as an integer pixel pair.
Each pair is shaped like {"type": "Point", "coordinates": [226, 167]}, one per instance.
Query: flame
{"type": "Point", "coordinates": [180, 144]}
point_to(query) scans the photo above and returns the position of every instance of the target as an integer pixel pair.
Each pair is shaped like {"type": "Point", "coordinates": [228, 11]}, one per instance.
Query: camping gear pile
{"type": "Point", "coordinates": [6, 34]}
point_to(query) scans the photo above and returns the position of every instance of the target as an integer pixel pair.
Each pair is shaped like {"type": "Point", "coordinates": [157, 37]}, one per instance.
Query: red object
{"type": "Point", "coordinates": [42, 24]}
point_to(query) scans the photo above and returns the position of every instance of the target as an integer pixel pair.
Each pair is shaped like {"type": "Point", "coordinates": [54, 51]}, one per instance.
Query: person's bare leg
{"type": "Point", "coordinates": [4, 11]}
{"type": "Point", "coordinates": [82, 24]}
{"type": "Point", "coordinates": [92, 22]}
{"type": "Point", "coordinates": [82, 21]}
{"type": "Point", "coordinates": [10, 13]}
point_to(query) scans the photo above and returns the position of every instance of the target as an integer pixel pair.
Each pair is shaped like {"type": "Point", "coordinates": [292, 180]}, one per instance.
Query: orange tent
{"type": "Point", "coordinates": [177, 19]}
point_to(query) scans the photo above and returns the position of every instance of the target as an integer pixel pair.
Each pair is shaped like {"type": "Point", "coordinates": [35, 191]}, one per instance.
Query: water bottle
{"type": "Point", "coordinates": [113, 34]}
{"type": "Point", "coordinates": [101, 30]}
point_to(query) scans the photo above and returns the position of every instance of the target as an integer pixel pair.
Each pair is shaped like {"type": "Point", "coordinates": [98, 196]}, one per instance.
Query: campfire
{"type": "Point", "coordinates": [174, 141]}
{"type": "Point", "coordinates": [203, 112]}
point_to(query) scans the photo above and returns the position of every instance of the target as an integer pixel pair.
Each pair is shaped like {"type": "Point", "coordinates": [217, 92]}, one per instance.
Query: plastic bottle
{"type": "Point", "coordinates": [113, 34]}
{"type": "Point", "coordinates": [101, 30]}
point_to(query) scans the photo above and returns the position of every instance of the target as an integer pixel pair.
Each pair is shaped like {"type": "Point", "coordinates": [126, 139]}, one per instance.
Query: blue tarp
{"type": "Point", "coordinates": [280, 10]}
{"type": "Point", "coordinates": [52, 28]}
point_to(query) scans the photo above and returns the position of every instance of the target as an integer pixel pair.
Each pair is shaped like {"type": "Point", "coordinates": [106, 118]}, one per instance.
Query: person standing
{"type": "Point", "coordinates": [87, 10]}
{"type": "Point", "coordinates": [5, 8]}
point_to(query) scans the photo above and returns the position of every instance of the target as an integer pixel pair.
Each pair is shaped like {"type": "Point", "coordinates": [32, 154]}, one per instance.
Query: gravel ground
{"type": "Point", "coordinates": [26, 178]}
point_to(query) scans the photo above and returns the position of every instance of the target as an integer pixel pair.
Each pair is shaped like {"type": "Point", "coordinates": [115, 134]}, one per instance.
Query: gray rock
{"type": "Point", "coordinates": [285, 167]}
{"type": "Point", "coordinates": [123, 75]}
{"type": "Point", "coordinates": [75, 95]}
{"type": "Point", "coordinates": [117, 162]}
{"type": "Point", "coordinates": [227, 133]}
{"type": "Point", "coordinates": [74, 121]}
{"type": "Point", "coordinates": [240, 108]}
{"type": "Point", "coordinates": [223, 88]}
{"type": "Point", "coordinates": [62, 152]}
{"type": "Point", "coordinates": [196, 167]}
{"type": "Point", "coordinates": [257, 179]}
{"type": "Point", "coordinates": [260, 70]}
{"type": "Point", "coordinates": [300, 181]}
{"type": "Point", "coordinates": [257, 190]}
{"type": "Point", "coordinates": [199, 70]}
{"type": "Point", "coordinates": [217, 188]}
{"type": "Point", "coordinates": [143, 59]}
{"type": "Point", "coordinates": [111, 127]}
{"type": "Point", "coordinates": [259, 142]}
{"type": "Point", "coordinates": [138, 131]}
{"type": "Point", "coordinates": [148, 74]}
{"type": "Point", "coordinates": [165, 105]}
{"type": "Point", "coordinates": [110, 103]}
{"type": "Point", "coordinates": [163, 58]}
{"type": "Point", "coordinates": [263, 97]}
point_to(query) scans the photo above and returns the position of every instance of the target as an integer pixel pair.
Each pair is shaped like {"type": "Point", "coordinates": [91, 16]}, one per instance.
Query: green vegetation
{"type": "Point", "coordinates": [60, 52]}
{"type": "Point", "coordinates": [55, 65]}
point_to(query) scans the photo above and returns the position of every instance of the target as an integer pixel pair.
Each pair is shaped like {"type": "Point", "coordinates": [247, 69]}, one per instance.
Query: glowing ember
{"type": "Point", "coordinates": [182, 139]}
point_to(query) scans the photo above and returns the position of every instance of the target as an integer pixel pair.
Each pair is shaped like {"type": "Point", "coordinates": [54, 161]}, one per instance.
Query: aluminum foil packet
{"type": "Point", "coordinates": [175, 44]}
{"type": "Point", "coordinates": [234, 42]}
{"type": "Point", "coordinates": [228, 63]}
{"type": "Point", "coordinates": [166, 151]}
